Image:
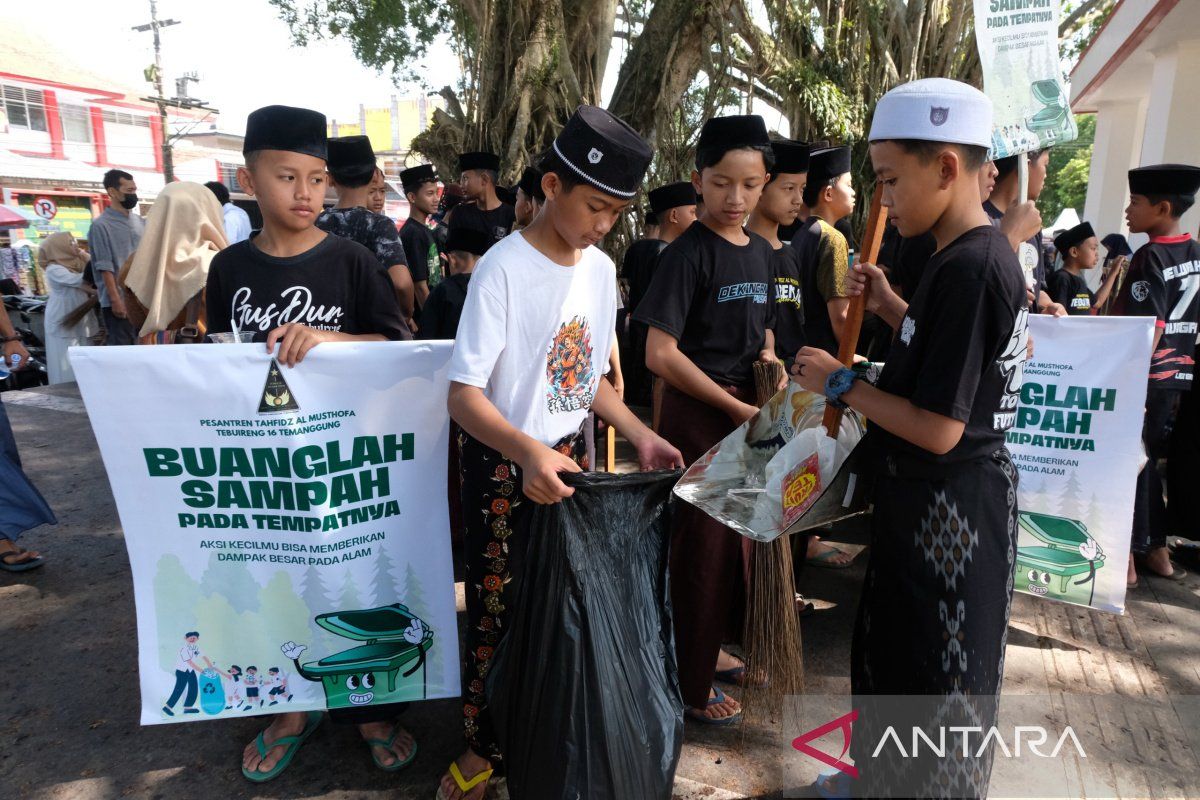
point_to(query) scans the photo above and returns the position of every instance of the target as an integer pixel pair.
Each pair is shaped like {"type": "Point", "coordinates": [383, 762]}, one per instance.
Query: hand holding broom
{"type": "Point", "coordinates": [854, 319]}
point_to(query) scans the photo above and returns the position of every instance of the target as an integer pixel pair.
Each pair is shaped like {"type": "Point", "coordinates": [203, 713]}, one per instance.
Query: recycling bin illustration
{"type": "Point", "coordinates": [1054, 116]}
{"type": "Point", "coordinates": [1066, 549]}
{"type": "Point", "coordinates": [389, 667]}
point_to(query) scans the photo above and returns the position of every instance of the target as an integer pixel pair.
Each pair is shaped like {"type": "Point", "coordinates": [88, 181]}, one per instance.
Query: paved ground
{"type": "Point", "coordinates": [69, 729]}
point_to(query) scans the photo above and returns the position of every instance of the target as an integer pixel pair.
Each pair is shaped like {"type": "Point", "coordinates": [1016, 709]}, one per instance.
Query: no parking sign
{"type": "Point", "coordinates": [45, 208]}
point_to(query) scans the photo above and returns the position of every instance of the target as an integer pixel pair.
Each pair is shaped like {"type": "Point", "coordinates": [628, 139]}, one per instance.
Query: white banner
{"type": "Point", "coordinates": [1018, 50]}
{"type": "Point", "coordinates": [1078, 445]}
{"type": "Point", "coordinates": [287, 527]}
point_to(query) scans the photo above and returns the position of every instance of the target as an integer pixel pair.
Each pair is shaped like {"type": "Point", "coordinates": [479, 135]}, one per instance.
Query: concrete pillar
{"type": "Point", "coordinates": [1119, 129]}
{"type": "Point", "coordinates": [1172, 113]}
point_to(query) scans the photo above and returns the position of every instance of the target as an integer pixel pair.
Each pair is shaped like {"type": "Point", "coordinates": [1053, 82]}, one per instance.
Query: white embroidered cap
{"type": "Point", "coordinates": [934, 110]}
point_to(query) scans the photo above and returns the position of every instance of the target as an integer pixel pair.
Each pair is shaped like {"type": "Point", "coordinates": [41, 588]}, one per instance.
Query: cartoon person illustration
{"type": "Point", "coordinates": [279, 686]}
{"type": "Point", "coordinates": [386, 668]}
{"type": "Point", "coordinates": [233, 695]}
{"type": "Point", "coordinates": [187, 670]}
{"type": "Point", "coordinates": [253, 682]}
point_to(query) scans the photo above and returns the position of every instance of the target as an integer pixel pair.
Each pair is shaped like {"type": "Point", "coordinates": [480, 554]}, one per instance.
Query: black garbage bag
{"type": "Point", "coordinates": [584, 691]}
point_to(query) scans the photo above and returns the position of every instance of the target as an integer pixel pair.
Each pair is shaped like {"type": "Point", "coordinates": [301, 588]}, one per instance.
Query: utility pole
{"type": "Point", "coordinates": [155, 74]}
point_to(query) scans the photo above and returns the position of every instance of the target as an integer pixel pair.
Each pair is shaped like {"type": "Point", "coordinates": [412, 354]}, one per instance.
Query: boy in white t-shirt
{"type": "Point", "coordinates": [529, 362]}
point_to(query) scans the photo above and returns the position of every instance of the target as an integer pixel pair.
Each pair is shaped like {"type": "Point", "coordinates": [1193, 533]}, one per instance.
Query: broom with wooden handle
{"type": "Point", "coordinates": [771, 632]}
{"type": "Point", "coordinates": [854, 318]}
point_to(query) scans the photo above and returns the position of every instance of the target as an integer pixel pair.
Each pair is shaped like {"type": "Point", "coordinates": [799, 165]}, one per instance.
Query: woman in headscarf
{"type": "Point", "coordinates": [165, 276]}
{"type": "Point", "coordinates": [69, 321]}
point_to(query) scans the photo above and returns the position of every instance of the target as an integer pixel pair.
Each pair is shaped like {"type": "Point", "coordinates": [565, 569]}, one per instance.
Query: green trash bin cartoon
{"type": "Point", "coordinates": [1055, 111]}
{"type": "Point", "coordinates": [389, 667]}
{"type": "Point", "coordinates": [1066, 550]}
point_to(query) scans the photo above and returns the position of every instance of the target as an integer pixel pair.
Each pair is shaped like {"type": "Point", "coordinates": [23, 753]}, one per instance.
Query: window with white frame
{"type": "Point", "coordinates": [25, 108]}
{"type": "Point", "coordinates": [76, 123]}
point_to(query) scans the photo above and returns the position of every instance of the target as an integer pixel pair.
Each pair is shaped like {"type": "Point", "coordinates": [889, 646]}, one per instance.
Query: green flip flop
{"type": "Point", "coordinates": [292, 743]}
{"type": "Point", "coordinates": [386, 744]}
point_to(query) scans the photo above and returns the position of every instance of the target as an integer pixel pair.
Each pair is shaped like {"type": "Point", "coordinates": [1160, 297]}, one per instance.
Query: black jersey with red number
{"type": "Point", "coordinates": [1164, 282]}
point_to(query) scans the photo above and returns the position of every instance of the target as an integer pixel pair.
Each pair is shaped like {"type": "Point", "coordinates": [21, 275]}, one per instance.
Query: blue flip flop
{"type": "Point", "coordinates": [22, 566]}
{"type": "Point", "coordinates": [292, 743]}
{"type": "Point", "coordinates": [695, 715]}
{"type": "Point", "coordinates": [736, 676]}
{"type": "Point", "coordinates": [386, 744]}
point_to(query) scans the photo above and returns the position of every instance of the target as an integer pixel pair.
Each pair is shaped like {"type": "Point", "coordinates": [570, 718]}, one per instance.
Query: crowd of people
{"type": "Point", "coordinates": [751, 260]}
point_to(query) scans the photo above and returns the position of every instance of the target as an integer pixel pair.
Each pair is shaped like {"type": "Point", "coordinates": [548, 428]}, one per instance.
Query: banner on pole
{"type": "Point", "coordinates": [287, 527]}
{"type": "Point", "coordinates": [1018, 50]}
{"type": "Point", "coordinates": [1077, 442]}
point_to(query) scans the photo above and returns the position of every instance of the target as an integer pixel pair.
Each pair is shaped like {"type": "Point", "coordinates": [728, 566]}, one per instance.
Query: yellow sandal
{"type": "Point", "coordinates": [466, 786]}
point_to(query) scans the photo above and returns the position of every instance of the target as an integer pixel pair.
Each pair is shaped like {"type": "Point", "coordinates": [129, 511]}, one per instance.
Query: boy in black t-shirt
{"type": "Point", "coordinates": [708, 313]}
{"type": "Point", "coordinates": [780, 203]}
{"type": "Point", "coordinates": [824, 251]}
{"type": "Point", "coordinates": [298, 286]}
{"type": "Point", "coordinates": [1022, 224]}
{"type": "Point", "coordinates": [420, 248]}
{"type": "Point", "coordinates": [1080, 251]}
{"type": "Point", "coordinates": [480, 177]}
{"type": "Point", "coordinates": [1163, 282]}
{"type": "Point", "coordinates": [351, 169]}
{"type": "Point", "coordinates": [673, 209]}
{"type": "Point", "coordinates": [443, 309]}
{"type": "Point", "coordinates": [944, 527]}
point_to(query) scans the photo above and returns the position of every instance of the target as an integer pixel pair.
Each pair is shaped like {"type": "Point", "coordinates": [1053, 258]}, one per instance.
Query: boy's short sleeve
{"type": "Point", "coordinates": [216, 304]}
{"type": "Point", "coordinates": [962, 341]}
{"type": "Point", "coordinates": [416, 251]}
{"type": "Point", "coordinates": [388, 247]}
{"type": "Point", "coordinates": [482, 329]}
{"type": "Point", "coordinates": [833, 262]}
{"type": "Point", "coordinates": [378, 308]}
{"type": "Point", "coordinates": [669, 297]}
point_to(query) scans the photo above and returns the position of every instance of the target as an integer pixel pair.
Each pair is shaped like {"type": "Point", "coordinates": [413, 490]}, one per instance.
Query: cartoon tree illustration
{"type": "Point", "coordinates": [413, 596]}
{"type": "Point", "coordinates": [317, 600]}
{"type": "Point", "coordinates": [233, 581]}
{"type": "Point", "coordinates": [176, 595]}
{"type": "Point", "coordinates": [349, 598]}
{"type": "Point", "coordinates": [389, 586]}
{"type": "Point", "coordinates": [1072, 496]}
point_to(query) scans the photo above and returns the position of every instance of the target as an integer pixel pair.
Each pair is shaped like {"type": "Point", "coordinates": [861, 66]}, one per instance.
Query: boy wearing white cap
{"type": "Point", "coordinates": [935, 603]}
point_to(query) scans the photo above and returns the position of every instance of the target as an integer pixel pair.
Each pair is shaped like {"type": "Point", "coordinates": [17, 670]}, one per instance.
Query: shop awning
{"type": "Point", "coordinates": [27, 173]}
{"type": "Point", "coordinates": [13, 218]}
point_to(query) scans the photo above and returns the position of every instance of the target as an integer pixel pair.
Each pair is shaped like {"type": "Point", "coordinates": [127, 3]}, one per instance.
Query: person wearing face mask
{"type": "Point", "coordinates": [113, 237]}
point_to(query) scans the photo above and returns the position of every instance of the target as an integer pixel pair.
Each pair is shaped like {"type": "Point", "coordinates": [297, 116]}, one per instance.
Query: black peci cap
{"type": "Point", "coordinates": [1116, 245]}
{"type": "Point", "coordinates": [673, 195]}
{"type": "Point", "coordinates": [479, 160]}
{"type": "Point", "coordinates": [729, 133]}
{"type": "Point", "coordinates": [295, 130]}
{"type": "Point", "coordinates": [791, 157]}
{"type": "Point", "coordinates": [507, 195]}
{"type": "Point", "coordinates": [351, 157]}
{"type": "Point", "coordinates": [413, 177]}
{"type": "Point", "coordinates": [1180, 179]}
{"type": "Point", "coordinates": [1073, 237]}
{"type": "Point", "coordinates": [827, 164]}
{"type": "Point", "coordinates": [603, 151]}
{"type": "Point", "coordinates": [467, 240]}
{"type": "Point", "coordinates": [531, 183]}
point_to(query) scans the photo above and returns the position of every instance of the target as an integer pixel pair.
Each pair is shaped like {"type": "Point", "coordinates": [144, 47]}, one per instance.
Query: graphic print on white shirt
{"type": "Point", "coordinates": [570, 373]}
{"type": "Point", "coordinates": [297, 307]}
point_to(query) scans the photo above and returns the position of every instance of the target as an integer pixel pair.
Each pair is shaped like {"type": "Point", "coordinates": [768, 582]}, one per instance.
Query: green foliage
{"type": "Point", "coordinates": [1067, 172]}
{"type": "Point", "coordinates": [176, 596]}
{"type": "Point", "coordinates": [821, 98]}
{"type": "Point", "coordinates": [388, 35]}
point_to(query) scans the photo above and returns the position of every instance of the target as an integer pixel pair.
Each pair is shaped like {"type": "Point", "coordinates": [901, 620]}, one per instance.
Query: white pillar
{"type": "Point", "coordinates": [1119, 129]}
{"type": "Point", "coordinates": [1173, 113]}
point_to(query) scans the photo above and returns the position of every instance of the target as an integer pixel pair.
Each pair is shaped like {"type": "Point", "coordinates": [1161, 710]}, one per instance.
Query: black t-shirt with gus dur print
{"type": "Point", "coordinates": [337, 285]}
